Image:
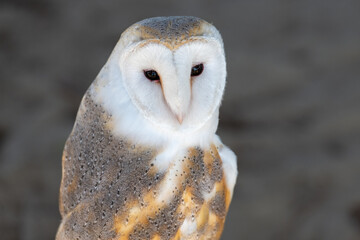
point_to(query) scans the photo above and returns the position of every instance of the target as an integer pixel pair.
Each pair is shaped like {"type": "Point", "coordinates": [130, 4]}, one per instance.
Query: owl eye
{"type": "Point", "coordinates": [152, 75]}
{"type": "Point", "coordinates": [197, 70]}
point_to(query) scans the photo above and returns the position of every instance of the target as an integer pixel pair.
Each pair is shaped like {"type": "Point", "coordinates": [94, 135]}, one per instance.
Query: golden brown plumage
{"type": "Point", "coordinates": [109, 186]}
{"type": "Point", "coordinates": [115, 186]}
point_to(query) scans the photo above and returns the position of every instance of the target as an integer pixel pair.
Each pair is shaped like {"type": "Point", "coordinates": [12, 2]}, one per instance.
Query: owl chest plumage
{"type": "Point", "coordinates": [113, 189]}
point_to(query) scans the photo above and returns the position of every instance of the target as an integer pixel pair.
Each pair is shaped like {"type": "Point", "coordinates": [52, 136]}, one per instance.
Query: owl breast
{"type": "Point", "coordinates": [113, 189]}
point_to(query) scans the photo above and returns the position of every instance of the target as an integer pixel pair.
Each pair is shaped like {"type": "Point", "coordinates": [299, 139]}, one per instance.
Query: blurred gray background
{"type": "Point", "coordinates": [291, 110]}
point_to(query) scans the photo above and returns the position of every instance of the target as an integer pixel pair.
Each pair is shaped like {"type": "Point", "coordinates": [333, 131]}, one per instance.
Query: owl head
{"type": "Point", "coordinates": [166, 75]}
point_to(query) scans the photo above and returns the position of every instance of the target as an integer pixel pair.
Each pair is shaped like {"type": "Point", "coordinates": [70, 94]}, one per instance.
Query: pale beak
{"type": "Point", "coordinates": [177, 93]}
{"type": "Point", "coordinates": [179, 118]}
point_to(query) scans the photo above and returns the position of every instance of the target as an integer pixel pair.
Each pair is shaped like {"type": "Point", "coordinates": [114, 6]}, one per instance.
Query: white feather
{"type": "Point", "coordinates": [138, 106]}
{"type": "Point", "coordinates": [229, 163]}
{"type": "Point", "coordinates": [145, 116]}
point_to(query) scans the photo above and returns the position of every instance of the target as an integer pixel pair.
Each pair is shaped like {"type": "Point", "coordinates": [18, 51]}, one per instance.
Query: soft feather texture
{"type": "Point", "coordinates": [137, 103]}
{"type": "Point", "coordinates": [138, 119]}
{"type": "Point", "coordinates": [141, 108]}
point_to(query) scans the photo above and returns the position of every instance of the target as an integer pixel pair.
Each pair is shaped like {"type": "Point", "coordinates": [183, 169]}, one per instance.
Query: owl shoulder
{"type": "Point", "coordinates": [229, 162]}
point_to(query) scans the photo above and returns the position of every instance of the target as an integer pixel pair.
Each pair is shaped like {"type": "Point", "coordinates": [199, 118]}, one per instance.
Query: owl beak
{"type": "Point", "coordinates": [177, 95]}
{"type": "Point", "coordinates": [179, 118]}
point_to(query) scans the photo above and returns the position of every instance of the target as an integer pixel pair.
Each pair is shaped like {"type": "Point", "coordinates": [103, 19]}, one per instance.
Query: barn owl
{"type": "Point", "coordinates": [143, 160]}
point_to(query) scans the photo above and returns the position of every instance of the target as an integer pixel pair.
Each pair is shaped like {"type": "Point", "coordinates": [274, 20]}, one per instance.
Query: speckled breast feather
{"type": "Point", "coordinates": [110, 187]}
